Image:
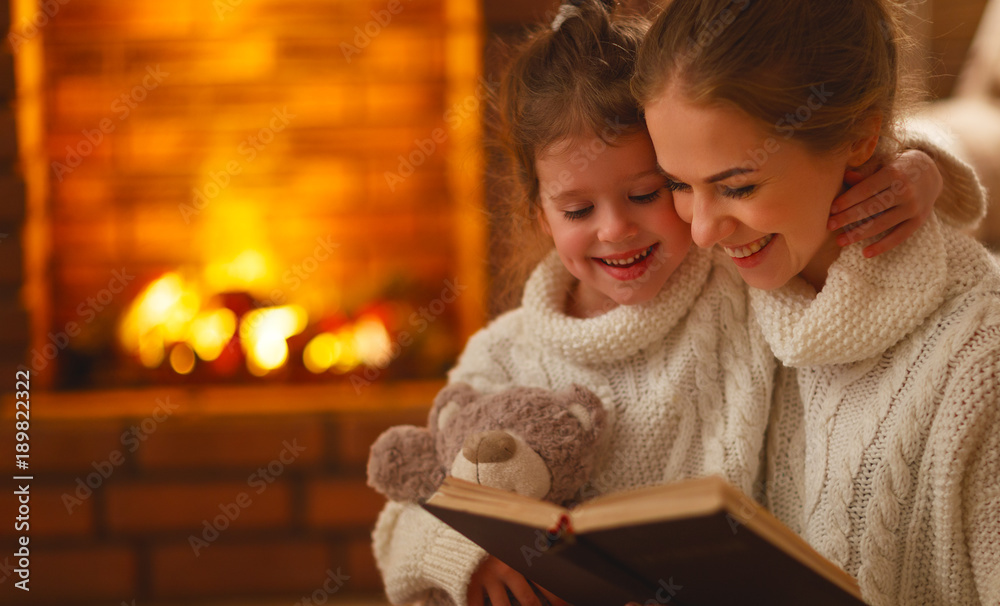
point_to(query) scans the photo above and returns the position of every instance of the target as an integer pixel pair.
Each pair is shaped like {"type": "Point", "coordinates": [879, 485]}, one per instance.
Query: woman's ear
{"type": "Point", "coordinates": [863, 148]}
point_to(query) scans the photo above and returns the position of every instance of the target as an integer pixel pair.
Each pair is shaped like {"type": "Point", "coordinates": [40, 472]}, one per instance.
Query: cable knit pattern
{"type": "Point", "coordinates": [884, 448]}
{"type": "Point", "coordinates": [686, 379]}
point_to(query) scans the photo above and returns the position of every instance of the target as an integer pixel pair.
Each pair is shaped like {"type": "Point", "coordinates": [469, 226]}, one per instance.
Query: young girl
{"type": "Point", "coordinates": [884, 443]}
{"type": "Point", "coordinates": [623, 305]}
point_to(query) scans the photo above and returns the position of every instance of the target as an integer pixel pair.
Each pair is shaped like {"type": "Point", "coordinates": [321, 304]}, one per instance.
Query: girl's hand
{"type": "Point", "coordinates": [493, 578]}
{"type": "Point", "coordinates": [894, 202]}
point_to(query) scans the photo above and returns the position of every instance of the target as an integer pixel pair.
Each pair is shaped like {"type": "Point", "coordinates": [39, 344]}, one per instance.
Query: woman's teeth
{"type": "Point", "coordinates": [746, 251]}
{"type": "Point", "coordinates": [630, 260]}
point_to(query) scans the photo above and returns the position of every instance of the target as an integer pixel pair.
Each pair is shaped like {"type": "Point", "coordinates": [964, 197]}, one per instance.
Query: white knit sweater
{"type": "Point", "coordinates": [962, 202]}
{"type": "Point", "coordinates": [884, 441]}
{"type": "Point", "coordinates": [686, 380]}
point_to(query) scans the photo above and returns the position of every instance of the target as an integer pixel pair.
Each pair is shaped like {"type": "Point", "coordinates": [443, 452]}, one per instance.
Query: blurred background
{"type": "Point", "coordinates": [239, 239]}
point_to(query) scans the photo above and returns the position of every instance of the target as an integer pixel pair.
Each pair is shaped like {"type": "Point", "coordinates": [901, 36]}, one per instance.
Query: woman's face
{"type": "Point", "coordinates": [764, 198]}
{"type": "Point", "coordinates": [613, 223]}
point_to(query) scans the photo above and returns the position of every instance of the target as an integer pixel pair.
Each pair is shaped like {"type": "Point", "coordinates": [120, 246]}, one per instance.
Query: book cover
{"type": "Point", "coordinates": [693, 543]}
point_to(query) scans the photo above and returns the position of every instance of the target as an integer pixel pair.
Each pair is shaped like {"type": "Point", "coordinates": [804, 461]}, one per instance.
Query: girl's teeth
{"type": "Point", "coordinates": [746, 251]}
{"type": "Point", "coordinates": [630, 260]}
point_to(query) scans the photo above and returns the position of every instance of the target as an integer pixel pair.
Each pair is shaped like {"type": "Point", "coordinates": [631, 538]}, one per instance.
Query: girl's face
{"type": "Point", "coordinates": [613, 223]}
{"type": "Point", "coordinates": [763, 197]}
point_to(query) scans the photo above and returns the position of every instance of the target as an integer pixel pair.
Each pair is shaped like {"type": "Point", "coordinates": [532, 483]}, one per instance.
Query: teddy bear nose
{"type": "Point", "coordinates": [489, 447]}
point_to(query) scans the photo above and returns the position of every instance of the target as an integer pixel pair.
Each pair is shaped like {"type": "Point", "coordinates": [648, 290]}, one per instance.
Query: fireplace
{"type": "Point", "coordinates": [238, 235]}
{"type": "Point", "coordinates": [250, 191]}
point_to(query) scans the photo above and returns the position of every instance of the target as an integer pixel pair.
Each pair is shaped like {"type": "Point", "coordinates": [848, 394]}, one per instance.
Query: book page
{"type": "Point", "coordinates": [461, 495]}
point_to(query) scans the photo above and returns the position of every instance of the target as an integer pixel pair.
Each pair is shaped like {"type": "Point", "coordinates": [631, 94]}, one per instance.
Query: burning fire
{"type": "Point", "coordinates": [188, 319]}
{"type": "Point", "coordinates": [264, 336]}
{"type": "Point", "coordinates": [366, 342]}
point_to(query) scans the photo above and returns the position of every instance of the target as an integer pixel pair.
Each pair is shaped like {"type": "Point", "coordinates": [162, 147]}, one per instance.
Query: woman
{"type": "Point", "coordinates": [884, 439]}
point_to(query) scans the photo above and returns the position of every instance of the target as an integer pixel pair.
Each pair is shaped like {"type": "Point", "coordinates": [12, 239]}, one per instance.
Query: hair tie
{"type": "Point", "coordinates": [566, 11]}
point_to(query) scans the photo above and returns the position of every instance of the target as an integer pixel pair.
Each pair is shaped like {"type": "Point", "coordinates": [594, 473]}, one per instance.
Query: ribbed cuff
{"type": "Point", "coordinates": [450, 563]}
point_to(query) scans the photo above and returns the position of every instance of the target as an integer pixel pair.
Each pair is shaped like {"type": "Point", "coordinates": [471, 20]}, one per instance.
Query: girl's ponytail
{"type": "Point", "coordinates": [569, 78]}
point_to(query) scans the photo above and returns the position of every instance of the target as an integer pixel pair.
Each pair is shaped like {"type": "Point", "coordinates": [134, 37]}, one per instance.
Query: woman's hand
{"type": "Point", "coordinates": [894, 202]}
{"type": "Point", "coordinates": [493, 578]}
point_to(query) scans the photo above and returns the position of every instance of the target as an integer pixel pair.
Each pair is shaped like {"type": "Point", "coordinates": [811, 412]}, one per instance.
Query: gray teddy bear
{"type": "Point", "coordinates": [529, 440]}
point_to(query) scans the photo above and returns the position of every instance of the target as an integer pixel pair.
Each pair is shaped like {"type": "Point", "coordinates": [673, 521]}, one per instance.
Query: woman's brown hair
{"type": "Point", "coordinates": [816, 70]}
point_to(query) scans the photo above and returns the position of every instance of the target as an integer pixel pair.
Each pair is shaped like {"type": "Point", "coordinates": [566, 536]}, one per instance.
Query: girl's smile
{"type": "Point", "coordinates": [612, 220]}
{"type": "Point", "coordinates": [628, 266]}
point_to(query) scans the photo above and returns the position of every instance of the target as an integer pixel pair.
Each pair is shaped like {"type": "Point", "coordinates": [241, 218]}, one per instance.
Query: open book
{"type": "Point", "coordinates": [697, 542]}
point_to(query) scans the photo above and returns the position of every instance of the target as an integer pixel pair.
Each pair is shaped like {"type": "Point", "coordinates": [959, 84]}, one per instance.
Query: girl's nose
{"type": "Point", "coordinates": [710, 224]}
{"type": "Point", "coordinates": [617, 226]}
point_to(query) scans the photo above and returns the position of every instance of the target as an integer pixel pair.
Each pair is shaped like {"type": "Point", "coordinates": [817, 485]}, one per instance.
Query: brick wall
{"type": "Point", "coordinates": [176, 495]}
{"type": "Point", "coordinates": [14, 336]}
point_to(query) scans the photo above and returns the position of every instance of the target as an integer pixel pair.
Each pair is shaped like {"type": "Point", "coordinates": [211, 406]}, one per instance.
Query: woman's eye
{"type": "Point", "coordinates": [577, 214]}
{"type": "Point", "coordinates": [677, 185]}
{"type": "Point", "coordinates": [738, 192]}
{"type": "Point", "coordinates": [643, 199]}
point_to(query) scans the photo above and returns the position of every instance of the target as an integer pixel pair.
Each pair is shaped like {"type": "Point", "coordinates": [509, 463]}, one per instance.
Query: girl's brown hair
{"type": "Point", "coordinates": [568, 78]}
{"type": "Point", "coordinates": [817, 70]}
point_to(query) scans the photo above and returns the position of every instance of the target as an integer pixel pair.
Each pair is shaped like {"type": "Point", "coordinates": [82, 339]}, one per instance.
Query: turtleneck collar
{"type": "Point", "coordinates": [622, 331]}
{"type": "Point", "coordinates": [865, 307]}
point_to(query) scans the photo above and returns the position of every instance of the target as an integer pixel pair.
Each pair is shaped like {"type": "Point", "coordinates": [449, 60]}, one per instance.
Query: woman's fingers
{"type": "Point", "coordinates": [894, 238]}
{"type": "Point", "coordinates": [861, 192]}
{"type": "Point", "coordinates": [872, 227]}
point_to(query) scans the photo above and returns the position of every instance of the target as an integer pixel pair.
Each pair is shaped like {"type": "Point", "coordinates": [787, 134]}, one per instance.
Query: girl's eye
{"type": "Point", "coordinates": [572, 215]}
{"type": "Point", "coordinates": [677, 185]}
{"type": "Point", "coordinates": [645, 198]}
{"type": "Point", "coordinates": [738, 192]}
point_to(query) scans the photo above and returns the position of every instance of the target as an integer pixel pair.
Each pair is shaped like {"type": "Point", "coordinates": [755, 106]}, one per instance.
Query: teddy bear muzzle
{"type": "Point", "coordinates": [489, 447]}
{"type": "Point", "coordinates": [502, 460]}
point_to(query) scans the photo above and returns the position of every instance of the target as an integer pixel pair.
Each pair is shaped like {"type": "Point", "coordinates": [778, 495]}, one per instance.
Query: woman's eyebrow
{"type": "Point", "coordinates": [732, 172]}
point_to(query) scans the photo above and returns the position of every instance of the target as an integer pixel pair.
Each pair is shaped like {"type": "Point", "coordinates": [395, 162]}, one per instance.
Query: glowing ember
{"type": "Point", "coordinates": [263, 334]}
{"type": "Point", "coordinates": [182, 358]}
{"type": "Point", "coordinates": [210, 331]}
{"type": "Point", "coordinates": [320, 354]}
{"type": "Point", "coordinates": [371, 341]}
{"type": "Point", "coordinates": [158, 316]}
{"type": "Point", "coordinates": [366, 342]}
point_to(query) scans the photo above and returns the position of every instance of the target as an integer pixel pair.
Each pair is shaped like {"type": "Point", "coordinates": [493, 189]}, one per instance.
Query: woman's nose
{"type": "Point", "coordinates": [710, 224]}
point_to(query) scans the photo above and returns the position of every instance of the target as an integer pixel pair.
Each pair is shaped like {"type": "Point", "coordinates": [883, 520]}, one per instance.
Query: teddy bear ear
{"type": "Point", "coordinates": [449, 401]}
{"type": "Point", "coordinates": [402, 464]}
{"type": "Point", "coordinates": [587, 408]}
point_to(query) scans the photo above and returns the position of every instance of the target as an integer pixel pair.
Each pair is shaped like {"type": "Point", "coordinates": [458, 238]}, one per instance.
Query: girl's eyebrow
{"type": "Point", "coordinates": [732, 172]}
{"type": "Point", "coordinates": [653, 171]}
{"type": "Point", "coordinates": [569, 193]}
